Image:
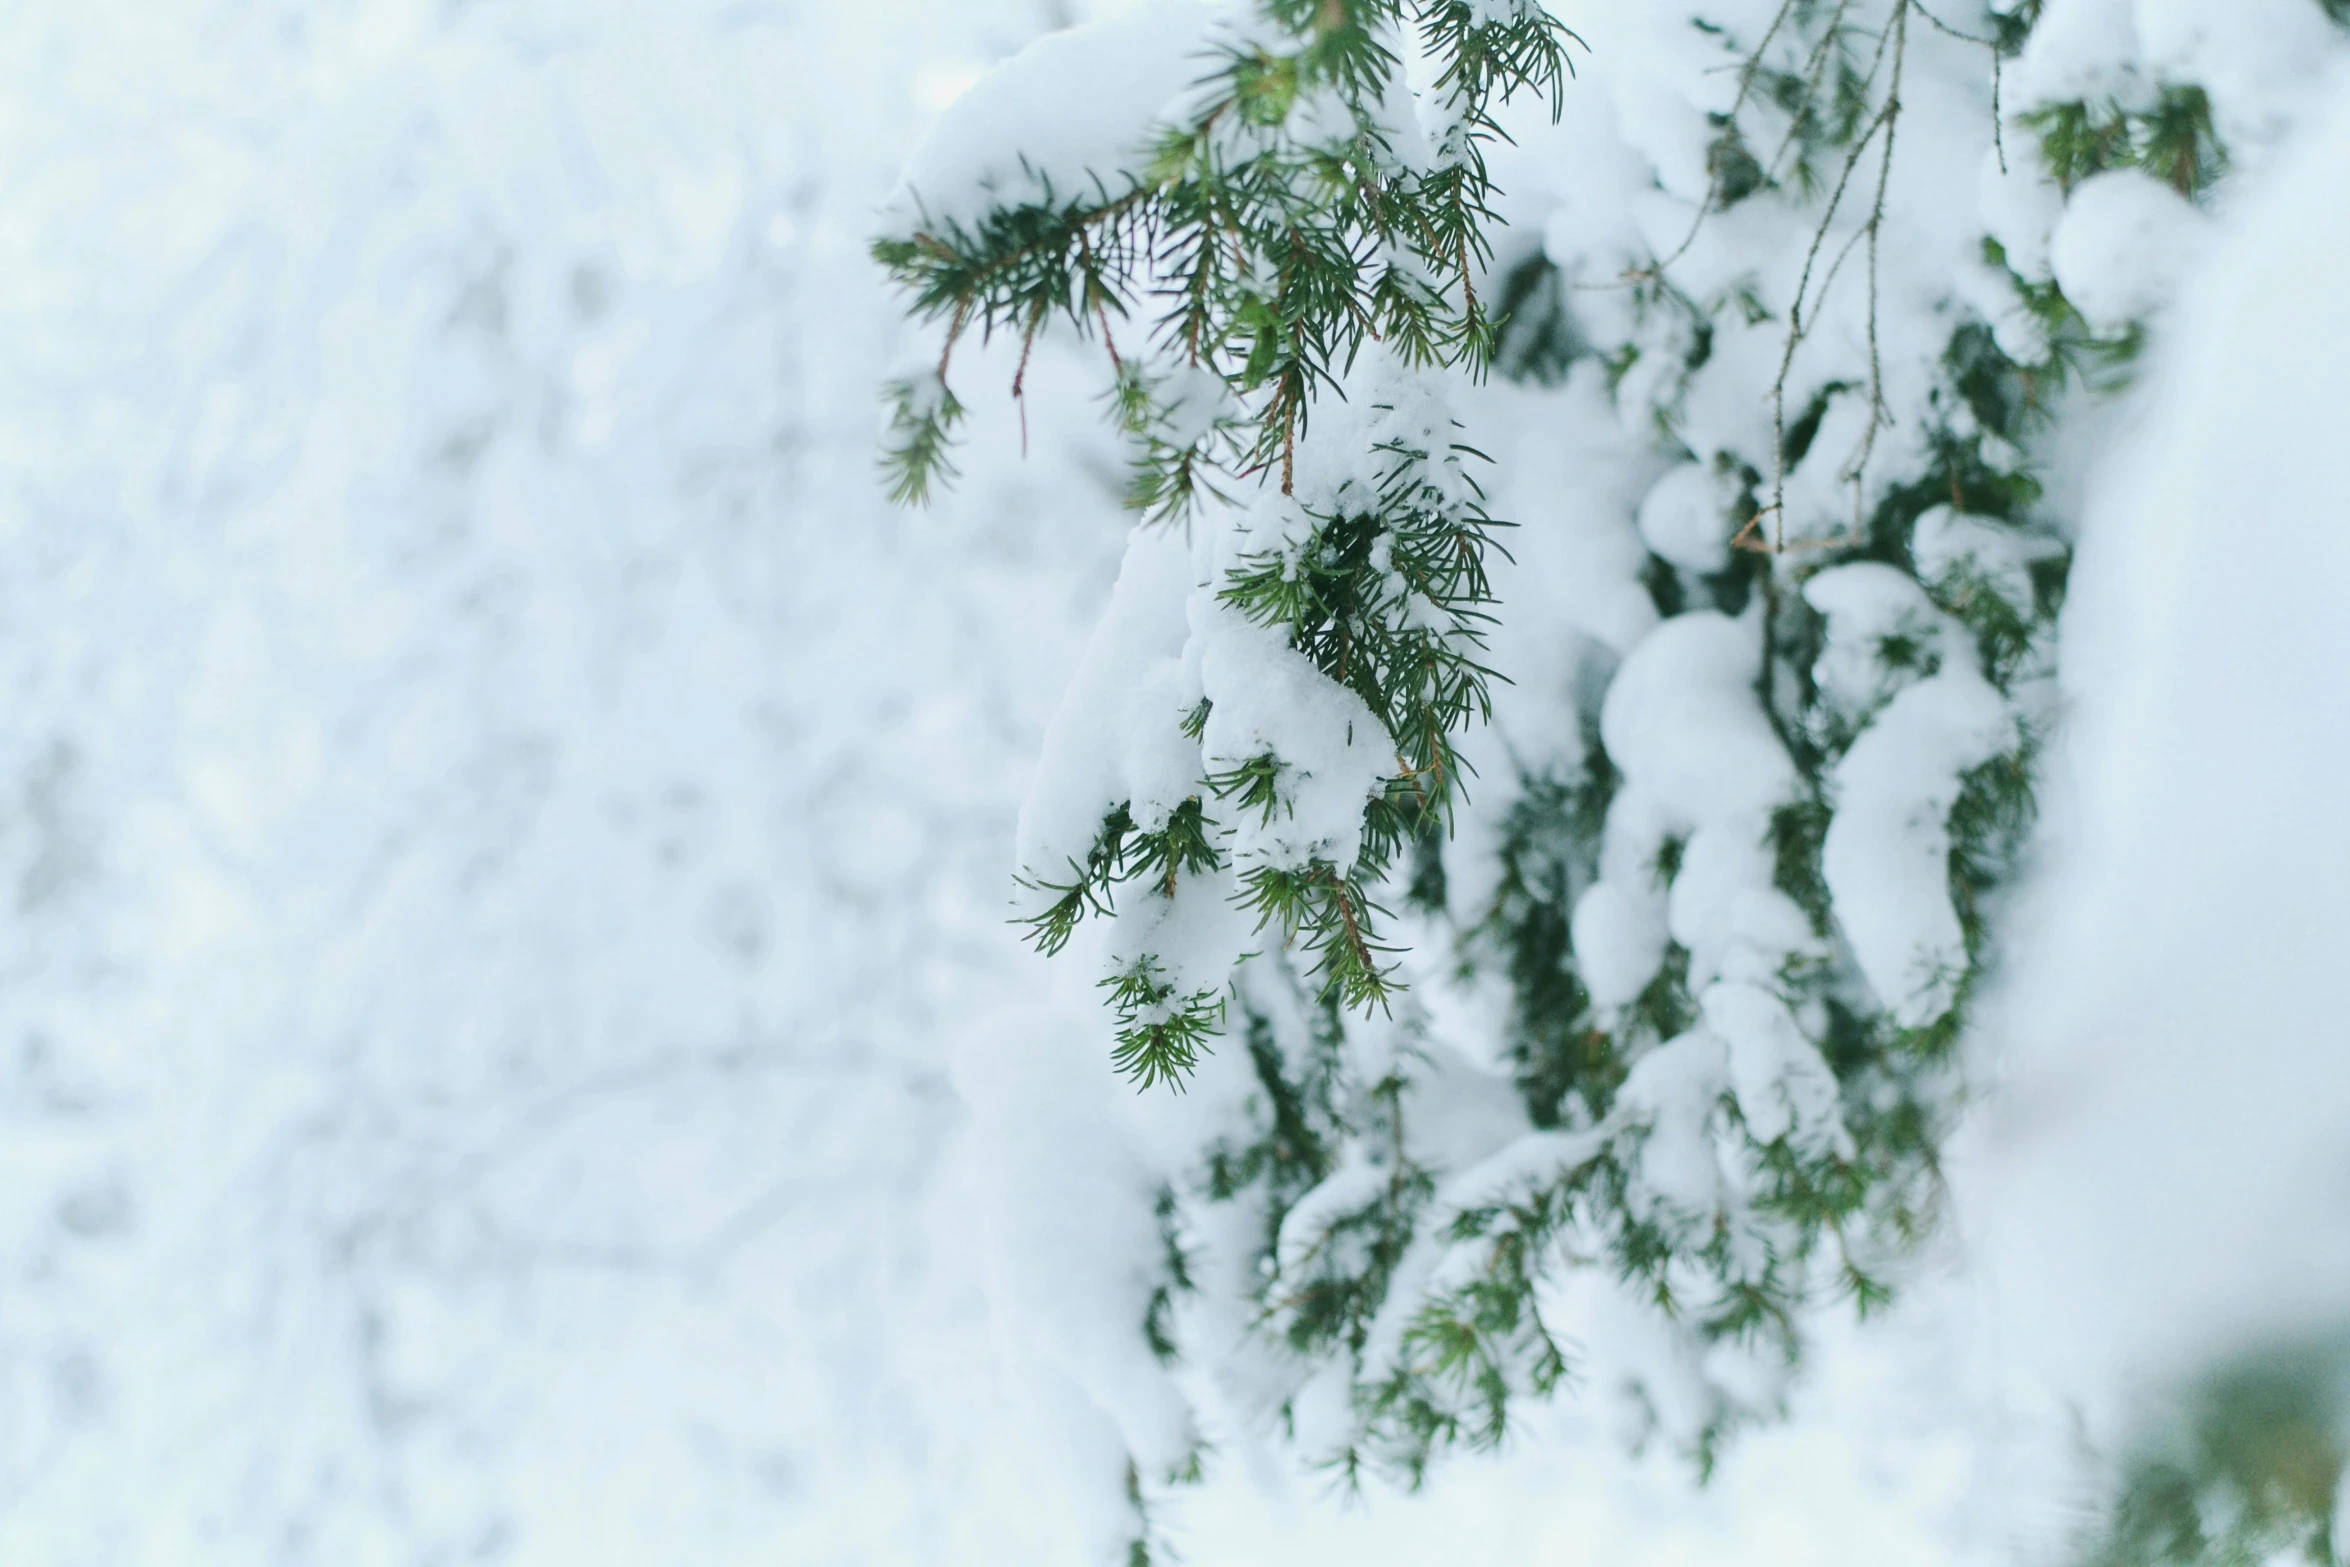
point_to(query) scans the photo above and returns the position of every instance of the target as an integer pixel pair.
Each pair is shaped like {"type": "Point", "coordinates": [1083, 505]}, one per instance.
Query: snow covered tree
{"type": "Point", "coordinates": [1568, 911]}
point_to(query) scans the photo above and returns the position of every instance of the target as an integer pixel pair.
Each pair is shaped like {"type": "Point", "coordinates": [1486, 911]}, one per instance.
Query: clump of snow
{"type": "Point", "coordinates": [1064, 1207]}
{"type": "Point", "coordinates": [1686, 518]}
{"type": "Point", "coordinates": [2257, 60]}
{"type": "Point", "coordinates": [1668, 1100]}
{"type": "Point", "coordinates": [1067, 118]}
{"type": "Point", "coordinates": [1702, 766]}
{"type": "Point", "coordinates": [2123, 245]}
{"type": "Point", "coordinates": [1783, 1084]}
{"type": "Point", "coordinates": [1684, 724]}
{"type": "Point", "coordinates": [1191, 937]}
{"type": "Point", "coordinates": [2085, 51]}
{"type": "Point", "coordinates": [1887, 855]}
{"type": "Point", "coordinates": [1105, 748]}
{"type": "Point", "coordinates": [1620, 937]}
{"type": "Point", "coordinates": [1268, 699]}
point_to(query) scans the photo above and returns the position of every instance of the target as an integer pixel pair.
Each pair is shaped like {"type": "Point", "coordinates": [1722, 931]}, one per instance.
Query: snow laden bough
{"type": "Point", "coordinates": [1267, 718]}
{"type": "Point", "coordinates": [1688, 969]}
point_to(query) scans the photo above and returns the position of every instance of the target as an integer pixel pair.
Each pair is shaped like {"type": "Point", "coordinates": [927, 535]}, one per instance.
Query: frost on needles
{"type": "Point", "coordinates": [1693, 897]}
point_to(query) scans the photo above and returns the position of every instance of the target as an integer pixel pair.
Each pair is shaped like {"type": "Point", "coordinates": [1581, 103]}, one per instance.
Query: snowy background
{"type": "Point", "coordinates": [504, 835]}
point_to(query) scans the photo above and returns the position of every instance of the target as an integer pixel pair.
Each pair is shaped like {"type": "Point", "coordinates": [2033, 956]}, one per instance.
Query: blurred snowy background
{"type": "Point", "coordinates": [503, 835]}
{"type": "Point", "coordinates": [499, 818]}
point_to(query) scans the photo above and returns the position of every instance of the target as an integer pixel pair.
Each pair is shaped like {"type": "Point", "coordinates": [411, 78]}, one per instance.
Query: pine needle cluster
{"type": "Point", "coordinates": [1294, 215]}
{"type": "Point", "coordinates": [1284, 221]}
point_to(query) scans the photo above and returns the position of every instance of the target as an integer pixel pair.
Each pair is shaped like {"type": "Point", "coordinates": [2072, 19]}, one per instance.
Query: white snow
{"type": "Point", "coordinates": [1105, 749]}
{"type": "Point", "coordinates": [1071, 1263]}
{"type": "Point", "coordinates": [1684, 724]}
{"type": "Point", "coordinates": [1784, 1088]}
{"type": "Point", "coordinates": [1066, 119]}
{"type": "Point", "coordinates": [2083, 51]}
{"type": "Point", "coordinates": [2258, 60]}
{"type": "Point", "coordinates": [1270, 700]}
{"type": "Point", "coordinates": [2020, 206]}
{"type": "Point", "coordinates": [1305, 1229]}
{"type": "Point", "coordinates": [2125, 242]}
{"type": "Point", "coordinates": [1887, 856]}
{"type": "Point", "coordinates": [1670, 1097]}
{"type": "Point", "coordinates": [1620, 937]}
{"type": "Point", "coordinates": [1686, 518]}
{"type": "Point", "coordinates": [1192, 939]}
{"type": "Point", "coordinates": [2168, 1159]}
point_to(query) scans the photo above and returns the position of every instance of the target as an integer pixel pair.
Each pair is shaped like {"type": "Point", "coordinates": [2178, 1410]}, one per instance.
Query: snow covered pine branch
{"type": "Point", "coordinates": [1267, 717]}
{"type": "Point", "coordinates": [1790, 298]}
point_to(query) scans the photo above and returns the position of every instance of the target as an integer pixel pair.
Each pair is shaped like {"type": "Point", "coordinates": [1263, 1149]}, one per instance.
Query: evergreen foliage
{"type": "Point", "coordinates": [1891, 564]}
{"type": "Point", "coordinates": [1440, 1365]}
{"type": "Point", "coordinates": [1266, 239]}
{"type": "Point", "coordinates": [2243, 1470]}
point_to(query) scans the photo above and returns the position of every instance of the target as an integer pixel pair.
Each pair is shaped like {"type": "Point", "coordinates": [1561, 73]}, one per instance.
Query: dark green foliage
{"type": "Point", "coordinates": [2009, 28]}
{"type": "Point", "coordinates": [1798, 833]}
{"type": "Point", "coordinates": [1548, 858]}
{"type": "Point", "coordinates": [1161, 1030]}
{"type": "Point", "coordinates": [1732, 168]}
{"type": "Point", "coordinates": [1288, 1155]}
{"type": "Point", "coordinates": [1989, 824]}
{"type": "Point", "coordinates": [1805, 427]}
{"type": "Point", "coordinates": [1536, 339]}
{"type": "Point", "coordinates": [1346, 603]}
{"type": "Point", "coordinates": [2241, 1471]}
{"type": "Point", "coordinates": [1175, 1271]}
{"type": "Point", "coordinates": [1823, 96]}
{"type": "Point", "coordinates": [2174, 140]}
